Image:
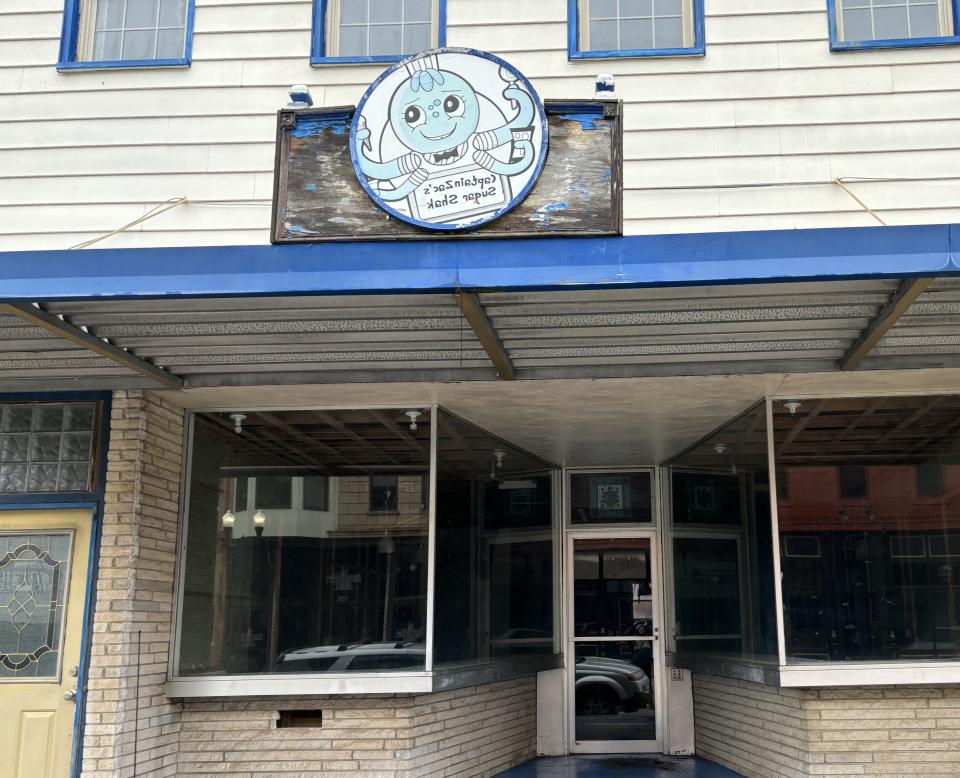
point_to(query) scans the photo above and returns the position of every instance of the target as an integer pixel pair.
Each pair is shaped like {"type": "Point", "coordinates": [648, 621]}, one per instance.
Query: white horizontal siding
{"type": "Point", "coordinates": [749, 137]}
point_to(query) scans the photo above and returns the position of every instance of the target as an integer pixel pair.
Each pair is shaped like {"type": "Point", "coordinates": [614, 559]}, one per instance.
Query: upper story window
{"type": "Point", "coordinates": [635, 28]}
{"type": "Point", "coordinates": [860, 24]}
{"type": "Point", "coordinates": [375, 30]}
{"type": "Point", "coordinates": [126, 33]}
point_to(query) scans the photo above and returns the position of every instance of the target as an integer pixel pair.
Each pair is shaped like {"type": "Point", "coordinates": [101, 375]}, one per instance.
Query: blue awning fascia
{"type": "Point", "coordinates": [509, 265]}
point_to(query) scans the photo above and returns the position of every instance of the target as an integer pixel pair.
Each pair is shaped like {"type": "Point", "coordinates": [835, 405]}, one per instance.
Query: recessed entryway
{"type": "Point", "coordinates": [619, 766]}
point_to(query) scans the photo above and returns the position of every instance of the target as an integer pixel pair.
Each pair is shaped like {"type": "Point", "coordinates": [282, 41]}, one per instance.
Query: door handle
{"type": "Point", "coordinates": [70, 695]}
{"type": "Point", "coordinates": [656, 633]}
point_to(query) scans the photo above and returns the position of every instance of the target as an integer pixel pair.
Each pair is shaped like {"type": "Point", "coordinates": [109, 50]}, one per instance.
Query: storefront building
{"type": "Point", "coordinates": [473, 406]}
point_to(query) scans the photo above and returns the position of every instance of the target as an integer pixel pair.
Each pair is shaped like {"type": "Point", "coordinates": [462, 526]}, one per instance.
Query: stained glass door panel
{"type": "Point", "coordinates": [43, 569]}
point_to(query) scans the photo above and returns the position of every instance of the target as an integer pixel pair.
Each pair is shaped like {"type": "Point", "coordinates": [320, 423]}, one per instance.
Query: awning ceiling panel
{"type": "Point", "coordinates": [581, 333]}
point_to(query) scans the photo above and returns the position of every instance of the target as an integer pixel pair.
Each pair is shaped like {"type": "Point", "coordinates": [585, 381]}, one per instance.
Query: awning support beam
{"type": "Point", "coordinates": [898, 304]}
{"type": "Point", "coordinates": [63, 329]}
{"type": "Point", "coordinates": [472, 310]}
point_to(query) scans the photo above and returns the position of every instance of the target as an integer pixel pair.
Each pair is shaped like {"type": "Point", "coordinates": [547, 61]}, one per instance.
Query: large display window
{"type": "Point", "coordinates": [311, 547]}
{"type": "Point", "coordinates": [868, 507]}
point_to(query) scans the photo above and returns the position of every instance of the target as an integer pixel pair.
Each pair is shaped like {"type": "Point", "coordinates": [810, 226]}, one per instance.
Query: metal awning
{"type": "Point", "coordinates": [581, 333]}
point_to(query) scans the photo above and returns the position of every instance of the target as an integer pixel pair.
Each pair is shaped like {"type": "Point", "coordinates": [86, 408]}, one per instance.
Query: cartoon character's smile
{"type": "Point", "coordinates": [440, 137]}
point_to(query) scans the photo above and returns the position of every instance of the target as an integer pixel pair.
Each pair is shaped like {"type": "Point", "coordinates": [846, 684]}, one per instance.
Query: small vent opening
{"type": "Point", "coordinates": [299, 718]}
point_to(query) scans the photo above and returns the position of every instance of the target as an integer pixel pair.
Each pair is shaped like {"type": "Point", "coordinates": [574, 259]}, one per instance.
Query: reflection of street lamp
{"type": "Point", "coordinates": [228, 519]}
{"type": "Point", "coordinates": [259, 522]}
{"type": "Point", "coordinates": [387, 547]}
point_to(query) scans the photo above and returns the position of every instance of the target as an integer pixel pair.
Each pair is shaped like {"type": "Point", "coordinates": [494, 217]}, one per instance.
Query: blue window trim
{"type": "Point", "coordinates": [68, 45]}
{"type": "Point", "coordinates": [698, 49]}
{"type": "Point", "coordinates": [318, 39]}
{"type": "Point", "coordinates": [894, 43]}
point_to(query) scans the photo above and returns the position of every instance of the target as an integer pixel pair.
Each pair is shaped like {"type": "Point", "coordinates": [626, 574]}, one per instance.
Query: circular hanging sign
{"type": "Point", "coordinates": [449, 139]}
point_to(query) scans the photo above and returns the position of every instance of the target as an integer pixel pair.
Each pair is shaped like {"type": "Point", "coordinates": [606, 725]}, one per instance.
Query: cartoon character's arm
{"type": "Point", "coordinates": [394, 168]}
{"type": "Point", "coordinates": [523, 150]}
{"type": "Point", "coordinates": [416, 178]}
{"type": "Point", "coordinates": [524, 118]}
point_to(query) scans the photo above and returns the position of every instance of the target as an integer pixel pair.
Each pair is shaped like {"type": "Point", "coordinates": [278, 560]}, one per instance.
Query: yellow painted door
{"type": "Point", "coordinates": [43, 575]}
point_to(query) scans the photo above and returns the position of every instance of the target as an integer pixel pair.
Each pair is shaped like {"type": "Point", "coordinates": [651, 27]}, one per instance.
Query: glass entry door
{"type": "Point", "coordinates": [613, 646]}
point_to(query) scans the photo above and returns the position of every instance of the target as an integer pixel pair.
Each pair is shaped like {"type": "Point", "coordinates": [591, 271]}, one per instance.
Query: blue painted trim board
{"type": "Point", "coordinates": [318, 39]}
{"type": "Point", "coordinates": [897, 43]}
{"type": "Point", "coordinates": [68, 45]}
{"type": "Point", "coordinates": [511, 264]}
{"type": "Point", "coordinates": [698, 49]}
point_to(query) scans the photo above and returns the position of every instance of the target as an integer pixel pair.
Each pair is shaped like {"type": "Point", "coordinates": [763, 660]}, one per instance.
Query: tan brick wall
{"type": "Point", "coordinates": [476, 732]}
{"type": "Point", "coordinates": [764, 732]}
{"type": "Point", "coordinates": [131, 626]}
{"type": "Point", "coordinates": [756, 730]}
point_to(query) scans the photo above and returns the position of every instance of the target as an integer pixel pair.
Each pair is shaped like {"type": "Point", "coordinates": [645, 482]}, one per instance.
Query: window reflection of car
{"type": "Point", "coordinates": [522, 640]}
{"type": "Point", "coordinates": [608, 686]}
{"type": "Point", "coordinates": [353, 658]}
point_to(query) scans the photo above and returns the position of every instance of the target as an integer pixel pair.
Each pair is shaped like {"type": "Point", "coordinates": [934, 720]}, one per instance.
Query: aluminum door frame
{"type": "Point", "coordinates": [659, 655]}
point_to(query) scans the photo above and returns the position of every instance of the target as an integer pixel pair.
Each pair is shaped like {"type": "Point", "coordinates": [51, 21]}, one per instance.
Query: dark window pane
{"type": "Point", "coordinates": [870, 535]}
{"type": "Point", "coordinates": [704, 498]}
{"type": "Point", "coordinates": [929, 479]}
{"type": "Point", "coordinates": [383, 493]}
{"type": "Point", "coordinates": [315, 493]}
{"type": "Point", "coordinates": [274, 491]}
{"type": "Point", "coordinates": [494, 548]}
{"type": "Point", "coordinates": [707, 581]}
{"type": "Point", "coordinates": [610, 498]}
{"type": "Point", "coordinates": [298, 591]}
{"type": "Point", "coordinates": [240, 500]}
{"type": "Point", "coordinates": [722, 544]}
{"type": "Point", "coordinates": [853, 482]}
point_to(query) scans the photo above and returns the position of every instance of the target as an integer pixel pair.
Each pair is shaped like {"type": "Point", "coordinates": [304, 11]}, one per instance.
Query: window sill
{"type": "Point", "coordinates": [299, 685]}
{"type": "Point", "coordinates": [378, 60]}
{"type": "Point", "coordinates": [693, 51]}
{"type": "Point", "coordinates": [131, 64]}
{"type": "Point", "coordinates": [869, 674]}
{"type": "Point", "coordinates": [898, 43]}
{"type": "Point", "coordinates": [307, 685]}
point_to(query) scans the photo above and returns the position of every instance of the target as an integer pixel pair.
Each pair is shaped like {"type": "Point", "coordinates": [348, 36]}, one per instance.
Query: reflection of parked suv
{"type": "Point", "coordinates": [353, 658]}
{"type": "Point", "coordinates": [605, 686]}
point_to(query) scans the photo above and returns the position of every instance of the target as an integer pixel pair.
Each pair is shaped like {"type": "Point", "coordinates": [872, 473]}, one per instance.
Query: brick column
{"type": "Point", "coordinates": [131, 728]}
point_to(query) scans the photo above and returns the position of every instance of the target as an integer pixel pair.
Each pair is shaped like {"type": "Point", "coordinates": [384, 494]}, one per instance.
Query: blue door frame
{"type": "Point", "coordinates": [92, 501]}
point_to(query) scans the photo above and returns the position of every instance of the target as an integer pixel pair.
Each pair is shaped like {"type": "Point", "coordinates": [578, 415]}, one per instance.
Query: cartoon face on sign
{"type": "Point", "coordinates": [449, 139]}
